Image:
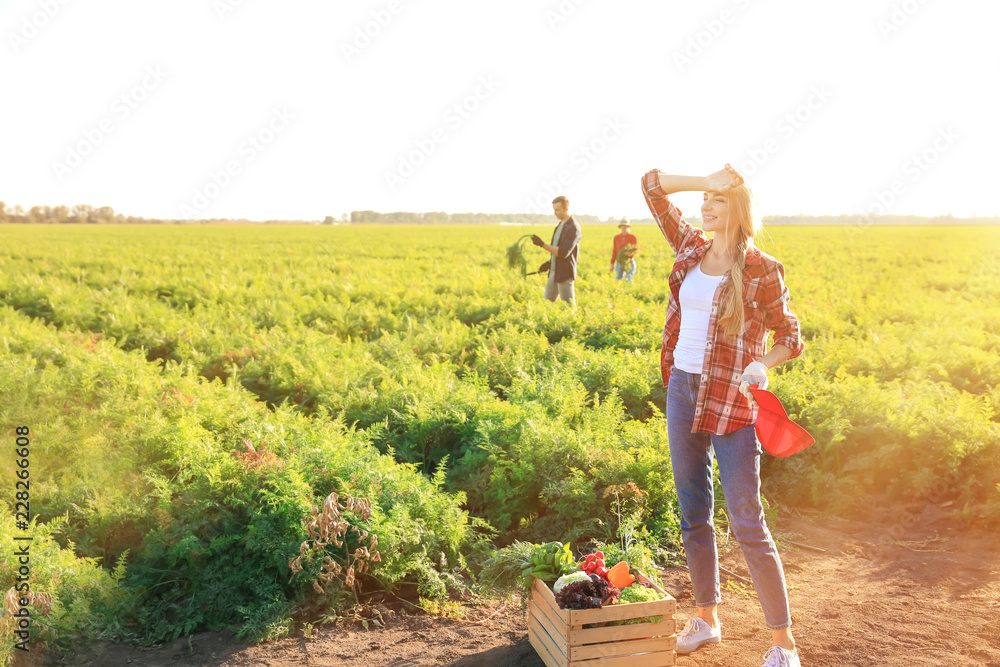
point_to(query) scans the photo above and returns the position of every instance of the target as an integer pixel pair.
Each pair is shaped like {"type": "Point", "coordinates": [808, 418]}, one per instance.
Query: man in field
{"type": "Point", "coordinates": [565, 248]}
{"type": "Point", "coordinates": [624, 264]}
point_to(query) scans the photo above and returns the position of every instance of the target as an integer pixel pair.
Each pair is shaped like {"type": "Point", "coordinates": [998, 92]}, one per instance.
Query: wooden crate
{"type": "Point", "coordinates": [561, 640]}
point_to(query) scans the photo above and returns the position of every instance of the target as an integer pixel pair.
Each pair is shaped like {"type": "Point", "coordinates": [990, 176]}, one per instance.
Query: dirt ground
{"type": "Point", "coordinates": [909, 588]}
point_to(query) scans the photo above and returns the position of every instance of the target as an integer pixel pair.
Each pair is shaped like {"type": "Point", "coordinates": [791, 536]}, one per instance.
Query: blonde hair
{"type": "Point", "coordinates": [741, 212]}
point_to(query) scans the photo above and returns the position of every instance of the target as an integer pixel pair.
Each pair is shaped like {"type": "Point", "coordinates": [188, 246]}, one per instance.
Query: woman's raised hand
{"type": "Point", "coordinates": [724, 180]}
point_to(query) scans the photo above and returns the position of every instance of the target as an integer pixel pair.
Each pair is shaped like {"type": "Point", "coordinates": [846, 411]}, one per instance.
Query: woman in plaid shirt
{"type": "Point", "coordinates": [725, 295]}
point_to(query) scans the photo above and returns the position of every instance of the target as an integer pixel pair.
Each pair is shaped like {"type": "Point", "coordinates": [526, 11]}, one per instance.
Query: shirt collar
{"type": "Point", "coordinates": [753, 265]}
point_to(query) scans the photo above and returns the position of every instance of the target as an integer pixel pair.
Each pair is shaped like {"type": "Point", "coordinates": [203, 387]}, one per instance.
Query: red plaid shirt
{"type": "Point", "coordinates": [721, 408]}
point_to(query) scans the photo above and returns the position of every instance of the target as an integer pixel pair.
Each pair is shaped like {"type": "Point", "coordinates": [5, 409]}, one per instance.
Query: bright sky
{"type": "Point", "coordinates": [303, 109]}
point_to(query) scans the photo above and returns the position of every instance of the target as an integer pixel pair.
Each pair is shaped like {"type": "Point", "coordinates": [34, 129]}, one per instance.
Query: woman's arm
{"type": "Point", "coordinates": [670, 183]}
{"type": "Point", "coordinates": [678, 231]}
{"type": "Point", "coordinates": [722, 180]}
{"type": "Point", "coordinates": [657, 186]}
{"type": "Point", "coordinates": [778, 354]}
{"type": "Point", "coordinates": [753, 375]}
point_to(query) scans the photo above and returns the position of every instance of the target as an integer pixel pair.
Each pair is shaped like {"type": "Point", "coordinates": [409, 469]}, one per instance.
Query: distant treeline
{"type": "Point", "coordinates": [82, 213]}
{"type": "Point", "coordinates": [103, 215]}
{"type": "Point", "coordinates": [442, 218]}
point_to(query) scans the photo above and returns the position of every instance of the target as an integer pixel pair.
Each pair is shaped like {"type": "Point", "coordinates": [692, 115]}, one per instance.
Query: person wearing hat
{"type": "Point", "coordinates": [725, 296]}
{"type": "Point", "coordinates": [622, 240]}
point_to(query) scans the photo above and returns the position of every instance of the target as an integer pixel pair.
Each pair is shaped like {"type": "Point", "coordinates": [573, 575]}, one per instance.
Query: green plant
{"type": "Point", "coordinates": [626, 253]}
{"type": "Point", "coordinates": [501, 569]}
{"type": "Point", "coordinates": [547, 562]}
{"type": "Point", "coordinates": [515, 255]}
{"type": "Point", "coordinates": [627, 508]}
{"type": "Point", "coordinates": [69, 597]}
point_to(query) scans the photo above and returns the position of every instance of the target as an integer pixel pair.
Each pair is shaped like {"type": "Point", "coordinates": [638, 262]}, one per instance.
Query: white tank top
{"type": "Point", "coordinates": [697, 295]}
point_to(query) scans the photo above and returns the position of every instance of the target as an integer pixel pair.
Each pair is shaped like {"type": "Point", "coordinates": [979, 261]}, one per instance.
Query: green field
{"type": "Point", "coordinates": [408, 365]}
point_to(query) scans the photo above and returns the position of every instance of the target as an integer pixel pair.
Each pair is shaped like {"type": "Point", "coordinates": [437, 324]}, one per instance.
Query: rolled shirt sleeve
{"type": "Point", "coordinates": [678, 231]}
{"type": "Point", "coordinates": [778, 315]}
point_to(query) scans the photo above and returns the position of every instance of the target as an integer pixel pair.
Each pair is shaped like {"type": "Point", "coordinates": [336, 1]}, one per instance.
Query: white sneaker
{"type": "Point", "coordinates": [779, 657]}
{"type": "Point", "coordinates": [696, 634]}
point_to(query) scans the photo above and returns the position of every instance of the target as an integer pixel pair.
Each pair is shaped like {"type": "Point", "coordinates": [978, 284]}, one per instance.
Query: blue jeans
{"type": "Point", "coordinates": [619, 270]}
{"type": "Point", "coordinates": [738, 454]}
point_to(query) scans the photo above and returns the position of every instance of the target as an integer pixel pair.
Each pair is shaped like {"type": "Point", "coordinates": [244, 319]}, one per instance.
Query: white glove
{"type": "Point", "coordinates": [755, 373]}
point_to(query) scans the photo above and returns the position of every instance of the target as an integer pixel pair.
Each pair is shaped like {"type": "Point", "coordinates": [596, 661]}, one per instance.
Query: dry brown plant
{"type": "Point", "coordinates": [252, 457]}
{"type": "Point", "coordinates": [42, 603]}
{"type": "Point", "coordinates": [329, 526]}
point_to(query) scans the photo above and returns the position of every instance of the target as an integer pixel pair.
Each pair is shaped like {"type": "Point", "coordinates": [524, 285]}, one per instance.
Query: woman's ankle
{"type": "Point", "coordinates": [784, 639]}
{"type": "Point", "coordinates": [713, 621]}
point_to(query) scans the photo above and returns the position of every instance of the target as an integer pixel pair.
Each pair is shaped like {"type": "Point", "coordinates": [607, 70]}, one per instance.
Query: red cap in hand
{"type": "Point", "coordinates": [779, 435]}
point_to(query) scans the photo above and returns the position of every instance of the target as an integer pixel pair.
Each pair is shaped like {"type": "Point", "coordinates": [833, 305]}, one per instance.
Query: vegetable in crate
{"type": "Point", "coordinates": [637, 593]}
{"type": "Point", "coordinates": [578, 595]}
{"type": "Point", "coordinates": [594, 564]}
{"type": "Point", "coordinates": [562, 581]}
{"type": "Point", "coordinates": [621, 575]}
{"type": "Point", "coordinates": [591, 594]}
{"type": "Point", "coordinates": [608, 591]}
{"type": "Point", "coordinates": [548, 562]}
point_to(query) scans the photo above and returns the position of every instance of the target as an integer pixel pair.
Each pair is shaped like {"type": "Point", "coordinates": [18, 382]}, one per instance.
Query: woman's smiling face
{"type": "Point", "coordinates": [714, 211]}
